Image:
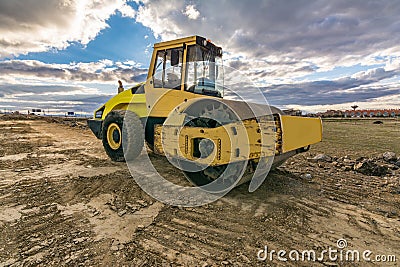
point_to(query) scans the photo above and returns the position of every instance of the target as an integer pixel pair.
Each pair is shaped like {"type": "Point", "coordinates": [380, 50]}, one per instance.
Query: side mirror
{"type": "Point", "coordinates": [174, 57]}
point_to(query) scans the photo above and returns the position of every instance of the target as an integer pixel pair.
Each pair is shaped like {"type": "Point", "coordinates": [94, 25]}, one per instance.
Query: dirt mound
{"type": "Point", "coordinates": [376, 166]}
{"type": "Point", "coordinates": [70, 121]}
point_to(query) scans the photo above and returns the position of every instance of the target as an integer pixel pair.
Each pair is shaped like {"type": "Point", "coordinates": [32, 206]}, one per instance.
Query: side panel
{"type": "Point", "coordinates": [299, 132]}
{"type": "Point", "coordinates": [125, 100]}
{"type": "Point", "coordinates": [161, 101]}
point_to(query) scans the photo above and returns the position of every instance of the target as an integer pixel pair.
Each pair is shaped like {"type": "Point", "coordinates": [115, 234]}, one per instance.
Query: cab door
{"type": "Point", "coordinates": [166, 88]}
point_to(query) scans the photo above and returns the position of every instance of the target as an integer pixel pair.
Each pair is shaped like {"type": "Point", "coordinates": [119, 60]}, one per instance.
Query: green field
{"type": "Point", "coordinates": [359, 137]}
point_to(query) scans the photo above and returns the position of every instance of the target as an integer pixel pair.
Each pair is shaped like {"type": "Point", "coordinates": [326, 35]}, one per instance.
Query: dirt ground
{"type": "Point", "coordinates": [64, 203]}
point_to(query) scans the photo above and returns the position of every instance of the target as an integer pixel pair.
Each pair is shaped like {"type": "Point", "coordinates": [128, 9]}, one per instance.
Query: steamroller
{"type": "Point", "coordinates": [187, 111]}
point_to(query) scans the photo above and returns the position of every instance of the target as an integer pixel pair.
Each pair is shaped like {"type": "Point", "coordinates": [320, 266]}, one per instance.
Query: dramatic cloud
{"type": "Point", "coordinates": [276, 43]}
{"type": "Point", "coordinates": [323, 33]}
{"type": "Point", "coordinates": [365, 86]}
{"type": "Point", "coordinates": [103, 71]}
{"type": "Point", "coordinates": [27, 84]}
{"type": "Point", "coordinates": [191, 12]}
{"type": "Point", "coordinates": [295, 51]}
{"type": "Point", "coordinates": [35, 26]}
{"type": "Point", "coordinates": [53, 98]}
{"type": "Point", "coordinates": [326, 92]}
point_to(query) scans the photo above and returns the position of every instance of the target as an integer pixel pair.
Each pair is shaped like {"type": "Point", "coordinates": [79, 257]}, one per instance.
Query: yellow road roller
{"type": "Point", "coordinates": [188, 111]}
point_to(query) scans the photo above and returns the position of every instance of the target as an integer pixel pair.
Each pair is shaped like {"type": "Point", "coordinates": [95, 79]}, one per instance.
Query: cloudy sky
{"type": "Point", "coordinates": [67, 55]}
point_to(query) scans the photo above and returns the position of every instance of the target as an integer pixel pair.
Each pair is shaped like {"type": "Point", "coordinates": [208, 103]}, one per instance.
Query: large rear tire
{"type": "Point", "coordinates": [117, 138]}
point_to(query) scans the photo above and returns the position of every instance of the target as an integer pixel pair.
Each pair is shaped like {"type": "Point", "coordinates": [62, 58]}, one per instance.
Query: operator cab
{"type": "Point", "coordinates": [194, 66]}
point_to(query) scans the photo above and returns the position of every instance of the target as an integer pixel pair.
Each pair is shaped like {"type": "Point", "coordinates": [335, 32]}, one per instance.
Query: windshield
{"type": "Point", "coordinates": [204, 72]}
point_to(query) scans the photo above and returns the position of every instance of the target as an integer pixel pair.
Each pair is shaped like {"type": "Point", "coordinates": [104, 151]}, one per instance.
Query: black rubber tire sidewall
{"type": "Point", "coordinates": [132, 138]}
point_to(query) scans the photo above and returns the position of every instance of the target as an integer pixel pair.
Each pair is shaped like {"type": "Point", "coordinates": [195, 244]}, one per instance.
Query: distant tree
{"type": "Point", "coordinates": [354, 107]}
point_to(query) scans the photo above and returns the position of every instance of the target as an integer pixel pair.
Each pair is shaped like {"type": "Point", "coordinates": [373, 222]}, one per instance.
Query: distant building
{"type": "Point", "coordinates": [332, 113]}
{"type": "Point", "coordinates": [35, 111]}
{"type": "Point", "coordinates": [292, 112]}
{"type": "Point", "coordinates": [70, 114]}
{"type": "Point", "coordinates": [365, 113]}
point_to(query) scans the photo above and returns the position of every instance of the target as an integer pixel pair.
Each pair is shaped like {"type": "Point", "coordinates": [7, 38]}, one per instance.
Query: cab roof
{"type": "Point", "coordinates": [187, 40]}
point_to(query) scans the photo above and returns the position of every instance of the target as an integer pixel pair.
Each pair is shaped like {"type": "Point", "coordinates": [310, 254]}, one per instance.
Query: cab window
{"type": "Point", "coordinates": [168, 69]}
{"type": "Point", "coordinates": [202, 75]}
